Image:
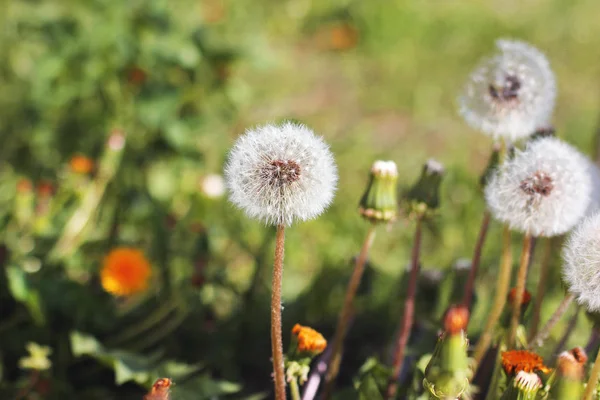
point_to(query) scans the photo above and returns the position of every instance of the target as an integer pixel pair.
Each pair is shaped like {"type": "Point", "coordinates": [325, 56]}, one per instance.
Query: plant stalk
{"type": "Point", "coordinates": [541, 289]}
{"type": "Point", "coordinates": [485, 223]}
{"type": "Point", "coordinates": [276, 336]}
{"type": "Point", "coordinates": [346, 313]}
{"type": "Point", "coordinates": [408, 316]}
{"type": "Point", "coordinates": [519, 290]}
{"type": "Point", "coordinates": [593, 381]}
{"type": "Point", "coordinates": [294, 390]}
{"type": "Point", "coordinates": [538, 340]}
{"type": "Point", "coordinates": [499, 299]}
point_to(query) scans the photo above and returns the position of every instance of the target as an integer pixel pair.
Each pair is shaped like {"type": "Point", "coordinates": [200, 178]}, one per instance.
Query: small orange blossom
{"type": "Point", "coordinates": [309, 340]}
{"type": "Point", "coordinates": [126, 271]}
{"type": "Point", "coordinates": [81, 164]}
{"type": "Point", "coordinates": [514, 361]}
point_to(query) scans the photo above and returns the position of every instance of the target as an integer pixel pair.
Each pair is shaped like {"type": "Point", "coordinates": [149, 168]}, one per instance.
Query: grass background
{"type": "Point", "coordinates": [378, 79]}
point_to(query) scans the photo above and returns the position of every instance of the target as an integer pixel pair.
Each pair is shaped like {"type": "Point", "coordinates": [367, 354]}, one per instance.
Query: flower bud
{"type": "Point", "coordinates": [306, 344]}
{"type": "Point", "coordinates": [423, 198]}
{"type": "Point", "coordinates": [524, 386]}
{"type": "Point", "coordinates": [570, 369]}
{"type": "Point", "coordinates": [379, 203]}
{"type": "Point", "coordinates": [510, 299]}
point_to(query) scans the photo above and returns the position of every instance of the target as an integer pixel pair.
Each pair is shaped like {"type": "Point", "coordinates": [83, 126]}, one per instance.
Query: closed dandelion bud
{"type": "Point", "coordinates": [423, 198]}
{"type": "Point", "coordinates": [510, 299]}
{"type": "Point", "coordinates": [160, 390]}
{"type": "Point", "coordinates": [379, 202]}
{"type": "Point", "coordinates": [24, 200]}
{"type": "Point", "coordinates": [493, 163]}
{"type": "Point", "coordinates": [447, 374]}
{"type": "Point", "coordinates": [570, 371]}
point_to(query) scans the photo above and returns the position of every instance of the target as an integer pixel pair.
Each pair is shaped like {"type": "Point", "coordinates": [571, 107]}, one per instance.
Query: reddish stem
{"type": "Point", "coordinates": [276, 336]}
{"type": "Point", "coordinates": [485, 223]}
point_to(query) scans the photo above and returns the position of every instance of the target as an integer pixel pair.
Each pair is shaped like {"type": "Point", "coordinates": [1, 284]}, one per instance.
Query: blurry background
{"type": "Point", "coordinates": [182, 79]}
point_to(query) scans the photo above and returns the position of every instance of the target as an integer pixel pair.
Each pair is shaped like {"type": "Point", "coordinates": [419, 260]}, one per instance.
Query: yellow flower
{"type": "Point", "coordinates": [81, 164]}
{"type": "Point", "coordinates": [38, 357]}
{"type": "Point", "coordinates": [126, 271]}
{"type": "Point", "coordinates": [309, 340]}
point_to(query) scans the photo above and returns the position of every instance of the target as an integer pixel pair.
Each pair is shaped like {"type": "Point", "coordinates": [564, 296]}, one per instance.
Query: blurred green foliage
{"type": "Point", "coordinates": [181, 79]}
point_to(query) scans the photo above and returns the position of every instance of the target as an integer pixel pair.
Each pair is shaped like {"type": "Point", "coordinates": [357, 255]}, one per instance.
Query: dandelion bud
{"type": "Point", "coordinates": [24, 203]}
{"type": "Point", "coordinates": [160, 390]}
{"type": "Point", "coordinates": [510, 94]}
{"type": "Point", "coordinates": [543, 190]}
{"type": "Point", "coordinates": [306, 344]}
{"type": "Point", "coordinates": [570, 369]}
{"type": "Point", "coordinates": [524, 386]}
{"type": "Point", "coordinates": [379, 203]}
{"type": "Point", "coordinates": [280, 174]}
{"type": "Point", "coordinates": [423, 197]}
{"type": "Point", "coordinates": [80, 164]}
{"type": "Point", "coordinates": [491, 167]}
{"type": "Point", "coordinates": [448, 372]}
{"type": "Point", "coordinates": [581, 255]}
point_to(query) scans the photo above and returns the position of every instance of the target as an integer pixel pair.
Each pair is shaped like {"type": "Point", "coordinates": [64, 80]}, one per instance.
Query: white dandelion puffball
{"type": "Point", "coordinates": [510, 94]}
{"type": "Point", "coordinates": [279, 174]}
{"type": "Point", "coordinates": [581, 268]}
{"type": "Point", "coordinates": [543, 190]}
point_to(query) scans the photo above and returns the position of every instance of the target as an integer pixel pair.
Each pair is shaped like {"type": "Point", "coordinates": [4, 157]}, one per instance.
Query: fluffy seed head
{"type": "Point", "coordinates": [581, 268]}
{"type": "Point", "coordinates": [279, 174]}
{"type": "Point", "coordinates": [510, 94]}
{"type": "Point", "coordinates": [543, 190]}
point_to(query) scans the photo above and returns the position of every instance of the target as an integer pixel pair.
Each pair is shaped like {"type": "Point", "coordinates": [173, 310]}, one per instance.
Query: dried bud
{"type": "Point", "coordinates": [160, 390]}
{"type": "Point", "coordinates": [570, 374]}
{"type": "Point", "coordinates": [423, 198]}
{"type": "Point", "coordinates": [379, 202]}
{"type": "Point", "coordinates": [512, 294]}
{"type": "Point", "coordinates": [456, 320]}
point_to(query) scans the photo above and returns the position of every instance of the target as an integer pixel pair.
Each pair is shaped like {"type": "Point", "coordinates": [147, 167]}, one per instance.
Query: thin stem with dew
{"type": "Point", "coordinates": [592, 383]}
{"type": "Point", "coordinates": [541, 289]}
{"type": "Point", "coordinates": [519, 290]}
{"type": "Point", "coordinates": [276, 336]}
{"type": "Point", "coordinates": [346, 313]}
{"type": "Point", "coordinates": [408, 316]}
{"type": "Point", "coordinates": [485, 223]}
{"type": "Point", "coordinates": [542, 335]}
{"type": "Point", "coordinates": [502, 287]}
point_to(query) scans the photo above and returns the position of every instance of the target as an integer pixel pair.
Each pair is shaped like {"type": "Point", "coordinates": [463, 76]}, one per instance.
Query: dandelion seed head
{"type": "Point", "coordinates": [510, 94]}
{"type": "Point", "coordinates": [543, 190]}
{"type": "Point", "coordinates": [581, 267]}
{"type": "Point", "coordinates": [281, 173]}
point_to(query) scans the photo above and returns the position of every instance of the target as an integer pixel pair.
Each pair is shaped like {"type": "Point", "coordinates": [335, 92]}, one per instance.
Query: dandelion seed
{"type": "Point", "coordinates": [279, 174]}
{"type": "Point", "coordinates": [581, 268]}
{"type": "Point", "coordinates": [511, 94]}
{"type": "Point", "coordinates": [126, 271]}
{"type": "Point", "coordinates": [543, 190]}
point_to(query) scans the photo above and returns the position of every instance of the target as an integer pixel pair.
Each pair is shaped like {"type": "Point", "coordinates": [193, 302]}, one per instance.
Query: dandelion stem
{"type": "Point", "coordinates": [346, 313]}
{"type": "Point", "coordinates": [541, 289]}
{"type": "Point", "coordinates": [294, 390]}
{"type": "Point", "coordinates": [593, 340]}
{"type": "Point", "coordinates": [567, 333]}
{"type": "Point", "coordinates": [408, 316]}
{"type": "Point", "coordinates": [499, 299]}
{"type": "Point", "coordinates": [519, 290]}
{"type": "Point", "coordinates": [593, 381]}
{"type": "Point", "coordinates": [538, 340]}
{"type": "Point", "coordinates": [485, 223]}
{"type": "Point", "coordinates": [276, 336]}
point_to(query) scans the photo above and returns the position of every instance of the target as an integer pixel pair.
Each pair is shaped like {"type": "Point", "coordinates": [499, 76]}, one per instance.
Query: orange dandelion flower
{"type": "Point", "coordinates": [456, 319]}
{"type": "Point", "coordinates": [309, 340]}
{"type": "Point", "coordinates": [126, 271]}
{"type": "Point", "coordinates": [514, 361]}
{"type": "Point", "coordinates": [160, 390]}
{"type": "Point", "coordinates": [81, 164]}
{"type": "Point", "coordinates": [513, 293]}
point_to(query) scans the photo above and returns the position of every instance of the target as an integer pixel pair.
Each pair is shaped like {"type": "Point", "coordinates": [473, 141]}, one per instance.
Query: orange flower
{"type": "Point", "coordinates": [456, 319]}
{"type": "Point", "coordinates": [309, 340]}
{"type": "Point", "coordinates": [514, 361]}
{"type": "Point", "coordinates": [125, 272]}
{"type": "Point", "coordinates": [160, 390]}
{"type": "Point", "coordinates": [81, 164]}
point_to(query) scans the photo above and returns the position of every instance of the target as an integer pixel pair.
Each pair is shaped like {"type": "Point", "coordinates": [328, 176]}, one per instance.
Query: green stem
{"type": "Point", "coordinates": [344, 318]}
{"type": "Point", "coordinates": [519, 290]}
{"type": "Point", "coordinates": [485, 223]}
{"type": "Point", "coordinates": [538, 340]}
{"type": "Point", "coordinates": [593, 381]}
{"type": "Point", "coordinates": [499, 300]}
{"type": "Point", "coordinates": [541, 289]}
{"type": "Point", "coordinates": [294, 389]}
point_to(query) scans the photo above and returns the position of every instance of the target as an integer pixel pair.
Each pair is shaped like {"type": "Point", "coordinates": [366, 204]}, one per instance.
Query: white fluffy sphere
{"type": "Point", "coordinates": [543, 190]}
{"type": "Point", "coordinates": [510, 94]}
{"type": "Point", "coordinates": [581, 269]}
{"type": "Point", "coordinates": [279, 174]}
